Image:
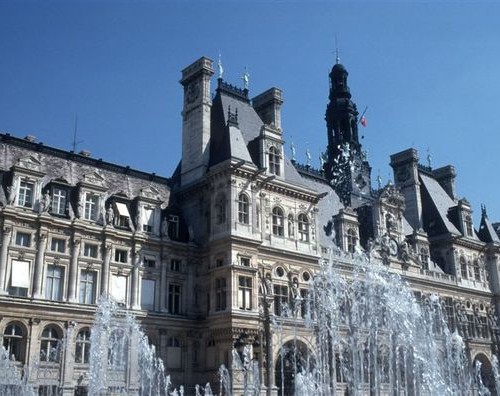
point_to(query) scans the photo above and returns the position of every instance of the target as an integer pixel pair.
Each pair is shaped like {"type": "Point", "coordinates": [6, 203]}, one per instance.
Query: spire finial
{"type": "Point", "coordinates": [245, 78]}
{"type": "Point", "coordinates": [483, 211]}
{"type": "Point", "coordinates": [219, 65]}
{"type": "Point", "coordinates": [337, 57]}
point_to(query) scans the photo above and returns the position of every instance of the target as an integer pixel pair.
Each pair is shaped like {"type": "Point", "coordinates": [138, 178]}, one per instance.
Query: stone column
{"type": "Point", "coordinates": [68, 360]}
{"type": "Point", "coordinates": [6, 233]}
{"type": "Point", "coordinates": [105, 269]}
{"type": "Point", "coordinates": [38, 278]}
{"type": "Point", "coordinates": [163, 283]}
{"type": "Point", "coordinates": [134, 300]}
{"type": "Point", "coordinates": [73, 271]}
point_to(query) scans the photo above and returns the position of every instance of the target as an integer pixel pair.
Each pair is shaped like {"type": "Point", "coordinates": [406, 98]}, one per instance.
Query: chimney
{"type": "Point", "coordinates": [268, 107]}
{"type": "Point", "coordinates": [445, 176]}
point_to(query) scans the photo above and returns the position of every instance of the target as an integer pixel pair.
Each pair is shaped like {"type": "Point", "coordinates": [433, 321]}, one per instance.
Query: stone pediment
{"type": "Point", "coordinates": [94, 179]}
{"type": "Point", "coordinates": [30, 163]}
{"type": "Point", "coordinates": [149, 192]}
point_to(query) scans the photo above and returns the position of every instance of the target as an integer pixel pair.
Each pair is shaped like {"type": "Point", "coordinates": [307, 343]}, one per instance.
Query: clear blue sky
{"type": "Point", "coordinates": [429, 73]}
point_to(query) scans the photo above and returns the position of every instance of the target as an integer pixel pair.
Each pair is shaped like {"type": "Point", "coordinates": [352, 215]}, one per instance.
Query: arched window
{"type": "Point", "coordinates": [274, 161]}
{"type": "Point", "coordinates": [303, 225]}
{"type": "Point", "coordinates": [351, 240]}
{"type": "Point", "coordinates": [463, 267]}
{"type": "Point", "coordinates": [243, 209]}
{"type": "Point", "coordinates": [82, 350]}
{"type": "Point", "coordinates": [278, 228]}
{"type": "Point", "coordinates": [50, 347]}
{"type": "Point", "coordinates": [14, 342]}
{"type": "Point", "coordinates": [220, 209]}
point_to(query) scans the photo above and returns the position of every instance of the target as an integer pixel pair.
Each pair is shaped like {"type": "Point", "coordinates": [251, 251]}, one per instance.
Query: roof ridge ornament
{"type": "Point", "coordinates": [483, 211]}
{"type": "Point", "coordinates": [219, 67]}
{"type": "Point", "coordinates": [245, 78]}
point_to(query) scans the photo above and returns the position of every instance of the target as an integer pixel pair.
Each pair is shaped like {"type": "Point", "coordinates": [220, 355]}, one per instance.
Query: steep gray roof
{"type": "Point", "coordinates": [441, 201]}
{"type": "Point", "coordinates": [328, 206]}
{"type": "Point", "coordinates": [486, 231]}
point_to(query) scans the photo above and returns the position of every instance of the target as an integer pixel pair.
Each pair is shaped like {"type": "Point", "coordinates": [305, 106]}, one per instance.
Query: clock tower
{"type": "Point", "coordinates": [346, 167]}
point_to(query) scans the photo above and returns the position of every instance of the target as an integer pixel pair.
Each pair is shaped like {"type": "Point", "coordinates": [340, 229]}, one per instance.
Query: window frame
{"type": "Point", "coordinates": [56, 207]}
{"type": "Point", "coordinates": [278, 222]}
{"type": "Point", "coordinates": [82, 346]}
{"type": "Point", "coordinates": [243, 209]}
{"type": "Point", "coordinates": [274, 159]}
{"type": "Point", "coordinates": [245, 292]}
{"type": "Point", "coordinates": [54, 282]}
{"type": "Point", "coordinates": [84, 283]}
{"type": "Point", "coordinates": [303, 227]}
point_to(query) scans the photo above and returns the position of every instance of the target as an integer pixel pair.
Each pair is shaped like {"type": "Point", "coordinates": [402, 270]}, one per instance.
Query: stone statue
{"type": "Point", "coordinates": [219, 66]}
{"type": "Point", "coordinates": [294, 151]}
{"type": "Point", "coordinates": [110, 215]}
{"type": "Point", "coordinates": [308, 157]}
{"type": "Point", "coordinates": [246, 79]}
{"type": "Point", "coordinates": [322, 160]}
{"type": "Point", "coordinates": [164, 227]}
{"type": "Point", "coordinates": [45, 204]}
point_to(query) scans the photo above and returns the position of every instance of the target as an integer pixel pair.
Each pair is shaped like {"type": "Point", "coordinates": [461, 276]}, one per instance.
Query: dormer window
{"type": "Point", "coordinates": [274, 161]}
{"type": "Point", "coordinates": [91, 205]}
{"type": "Point", "coordinates": [59, 201]}
{"type": "Point", "coordinates": [25, 195]}
{"type": "Point", "coordinates": [468, 226]}
{"type": "Point", "coordinates": [173, 226]}
{"type": "Point", "coordinates": [148, 220]}
{"type": "Point", "coordinates": [351, 240]}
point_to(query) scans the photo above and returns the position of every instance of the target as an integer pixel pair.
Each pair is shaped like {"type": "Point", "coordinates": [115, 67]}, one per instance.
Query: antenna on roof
{"type": "Point", "coordinates": [75, 142]}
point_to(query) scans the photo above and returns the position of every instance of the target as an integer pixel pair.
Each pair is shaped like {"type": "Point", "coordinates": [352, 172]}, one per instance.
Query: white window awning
{"type": "Point", "coordinates": [119, 288]}
{"type": "Point", "coordinates": [122, 209]}
{"type": "Point", "coordinates": [20, 274]}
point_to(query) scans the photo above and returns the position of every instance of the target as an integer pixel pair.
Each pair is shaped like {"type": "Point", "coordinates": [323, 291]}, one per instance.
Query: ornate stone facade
{"type": "Point", "coordinates": [219, 256]}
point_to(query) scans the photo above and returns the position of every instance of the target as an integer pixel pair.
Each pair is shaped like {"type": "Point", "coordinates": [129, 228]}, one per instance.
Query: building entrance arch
{"type": "Point", "coordinates": [293, 358]}
{"type": "Point", "coordinates": [487, 376]}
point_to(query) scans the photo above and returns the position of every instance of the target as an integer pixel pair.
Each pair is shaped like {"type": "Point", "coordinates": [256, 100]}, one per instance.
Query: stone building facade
{"type": "Point", "coordinates": [210, 259]}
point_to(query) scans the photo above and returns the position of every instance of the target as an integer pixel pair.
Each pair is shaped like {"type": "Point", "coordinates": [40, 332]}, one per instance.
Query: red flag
{"type": "Point", "coordinates": [363, 121]}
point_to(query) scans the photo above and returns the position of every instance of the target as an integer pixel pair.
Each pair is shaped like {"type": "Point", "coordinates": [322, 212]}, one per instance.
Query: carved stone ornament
{"type": "Point", "coordinates": [94, 178]}
{"type": "Point", "coordinates": [391, 195]}
{"type": "Point", "coordinates": [149, 192]}
{"type": "Point", "coordinates": [29, 163]}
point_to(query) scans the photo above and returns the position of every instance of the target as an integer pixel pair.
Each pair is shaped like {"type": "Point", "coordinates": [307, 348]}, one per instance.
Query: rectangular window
{"type": "Point", "coordinates": [148, 220]}
{"type": "Point", "coordinates": [173, 226]}
{"type": "Point", "coordinates": [245, 261]}
{"type": "Point", "coordinates": [148, 294]}
{"type": "Point", "coordinates": [19, 278]}
{"type": "Point", "coordinates": [123, 218]}
{"type": "Point", "coordinates": [87, 287]}
{"type": "Point", "coordinates": [174, 299]}
{"type": "Point", "coordinates": [149, 261]}
{"type": "Point", "coordinates": [59, 200]}
{"type": "Point", "coordinates": [119, 288]}
{"type": "Point", "coordinates": [121, 256]}
{"type": "Point", "coordinates": [303, 302]}
{"type": "Point", "coordinates": [58, 245]}
{"type": "Point", "coordinates": [25, 196]}
{"type": "Point", "coordinates": [91, 206]}
{"type": "Point", "coordinates": [220, 294]}
{"type": "Point", "coordinates": [280, 299]}
{"type": "Point", "coordinates": [245, 292]}
{"type": "Point", "coordinates": [23, 239]}
{"type": "Point", "coordinates": [90, 250]}
{"type": "Point", "coordinates": [54, 283]}
{"type": "Point", "coordinates": [175, 265]}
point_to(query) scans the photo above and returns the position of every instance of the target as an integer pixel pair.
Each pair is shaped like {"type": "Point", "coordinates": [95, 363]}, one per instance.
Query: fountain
{"type": "Point", "coordinates": [372, 337]}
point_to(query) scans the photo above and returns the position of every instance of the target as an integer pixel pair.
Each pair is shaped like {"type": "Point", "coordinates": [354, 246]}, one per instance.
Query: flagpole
{"type": "Point", "coordinates": [362, 114]}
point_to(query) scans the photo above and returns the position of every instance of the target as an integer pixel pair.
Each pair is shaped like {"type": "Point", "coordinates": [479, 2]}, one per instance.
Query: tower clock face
{"type": "Point", "coordinates": [393, 247]}
{"type": "Point", "coordinates": [192, 92]}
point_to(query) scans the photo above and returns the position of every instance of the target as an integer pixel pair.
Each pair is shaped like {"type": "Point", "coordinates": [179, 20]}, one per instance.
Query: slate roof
{"type": "Point", "coordinates": [249, 125]}
{"type": "Point", "coordinates": [328, 206]}
{"type": "Point", "coordinates": [441, 201]}
{"type": "Point", "coordinates": [486, 231]}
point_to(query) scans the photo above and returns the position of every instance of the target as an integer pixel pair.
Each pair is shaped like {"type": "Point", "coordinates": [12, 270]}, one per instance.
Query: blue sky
{"type": "Point", "coordinates": [428, 72]}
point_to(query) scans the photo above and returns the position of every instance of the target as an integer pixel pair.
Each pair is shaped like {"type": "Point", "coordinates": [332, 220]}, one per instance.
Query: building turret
{"type": "Point", "coordinates": [346, 167]}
